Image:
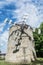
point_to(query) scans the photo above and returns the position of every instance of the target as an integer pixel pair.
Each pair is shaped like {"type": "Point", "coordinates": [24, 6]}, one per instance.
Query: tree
{"type": "Point", "coordinates": [39, 40]}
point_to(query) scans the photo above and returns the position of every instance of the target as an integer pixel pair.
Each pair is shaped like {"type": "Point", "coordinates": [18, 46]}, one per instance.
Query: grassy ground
{"type": "Point", "coordinates": [39, 61]}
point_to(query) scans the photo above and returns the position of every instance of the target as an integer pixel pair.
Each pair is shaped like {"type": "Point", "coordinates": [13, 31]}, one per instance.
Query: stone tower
{"type": "Point", "coordinates": [21, 47]}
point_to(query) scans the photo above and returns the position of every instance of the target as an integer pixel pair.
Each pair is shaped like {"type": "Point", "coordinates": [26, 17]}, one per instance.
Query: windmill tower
{"type": "Point", "coordinates": [21, 47]}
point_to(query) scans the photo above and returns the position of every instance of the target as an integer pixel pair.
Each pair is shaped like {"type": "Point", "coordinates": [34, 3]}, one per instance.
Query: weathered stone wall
{"type": "Point", "coordinates": [26, 47]}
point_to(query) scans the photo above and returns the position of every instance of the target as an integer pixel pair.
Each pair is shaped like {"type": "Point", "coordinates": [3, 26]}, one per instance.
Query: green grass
{"type": "Point", "coordinates": [39, 61]}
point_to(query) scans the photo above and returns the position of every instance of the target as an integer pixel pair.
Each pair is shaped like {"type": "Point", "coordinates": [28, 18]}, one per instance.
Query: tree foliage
{"type": "Point", "coordinates": [39, 40]}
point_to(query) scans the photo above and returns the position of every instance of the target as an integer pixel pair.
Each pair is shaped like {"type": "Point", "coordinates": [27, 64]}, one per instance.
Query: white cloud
{"type": "Point", "coordinates": [2, 4]}
{"type": "Point", "coordinates": [32, 12]}
{"type": "Point", "coordinates": [30, 9]}
{"type": "Point", "coordinates": [25, 6]}
{"type": "Point", "coordinates": [6, 2]}
{"type": "Point", "coordinates": [20, 3]}
{"type": "Point", "coordinates": [15, 2]}
{"type": "Point", "coordinates": [3, 24]}
{"type": "Point", "coordinates": [4, 40]}
{"type": "Point", "coordinates": [4, 36]}
{"type": "Point", "coordinates": [1, 28]}
{"type": "Point", "coordinates": [10, 1]}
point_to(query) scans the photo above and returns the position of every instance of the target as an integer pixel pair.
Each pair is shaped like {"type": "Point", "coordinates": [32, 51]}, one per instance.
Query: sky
{"type": "Point", "coordinates": [13, 11]}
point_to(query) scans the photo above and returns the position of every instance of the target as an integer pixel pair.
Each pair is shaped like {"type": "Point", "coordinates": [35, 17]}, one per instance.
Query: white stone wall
{"type": "Point", "coordinates": [21, 55]}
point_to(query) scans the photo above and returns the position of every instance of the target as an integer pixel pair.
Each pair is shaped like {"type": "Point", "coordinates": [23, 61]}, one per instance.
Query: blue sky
{"type": "Point", "coordinates": [13, 11]}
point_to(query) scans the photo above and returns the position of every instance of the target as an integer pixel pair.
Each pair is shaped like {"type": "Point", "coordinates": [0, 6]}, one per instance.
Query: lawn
{"type": "Point", "coordinates": [39, 61]}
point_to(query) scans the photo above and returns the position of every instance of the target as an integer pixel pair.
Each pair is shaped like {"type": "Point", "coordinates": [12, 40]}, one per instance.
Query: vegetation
{"type": "Point", "coordinates": [39, 41]}
{"type": "Point", "coordinates": [39, 61]}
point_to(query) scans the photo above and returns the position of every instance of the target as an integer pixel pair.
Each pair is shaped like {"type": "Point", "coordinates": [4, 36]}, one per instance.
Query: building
{"type": "Point", "coordinates": [21, 46]}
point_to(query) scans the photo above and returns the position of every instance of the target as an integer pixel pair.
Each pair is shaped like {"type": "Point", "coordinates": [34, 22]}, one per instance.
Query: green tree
{"type": "Point", "coordinates": [39, 40]}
